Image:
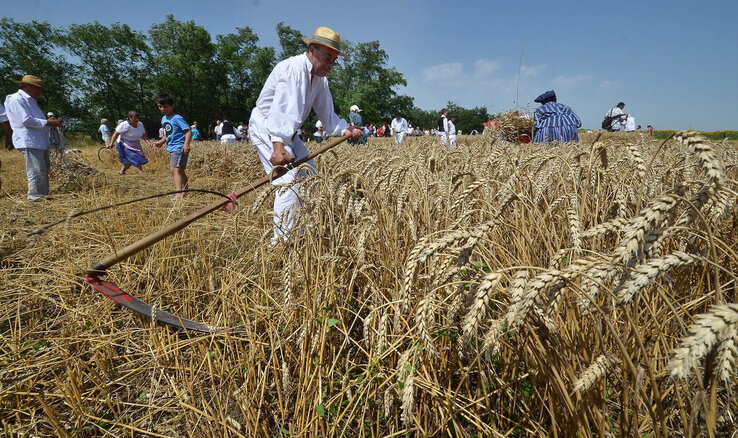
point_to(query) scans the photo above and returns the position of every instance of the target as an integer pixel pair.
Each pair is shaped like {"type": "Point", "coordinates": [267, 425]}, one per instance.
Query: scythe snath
{"type": "Point", "coordinates": [115, 293]}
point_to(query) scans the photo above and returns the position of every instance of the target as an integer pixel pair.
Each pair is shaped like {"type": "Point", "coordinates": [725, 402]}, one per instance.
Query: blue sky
{"type": "Point", "coordinates": [674, 63]}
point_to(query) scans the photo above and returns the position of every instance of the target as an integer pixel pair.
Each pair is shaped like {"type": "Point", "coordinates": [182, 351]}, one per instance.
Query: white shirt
{"type": "Point", "coordinates": [129, 132]}
{"type": "Point", "coordinates": [630, 124]}
{"type": "Point", "coordinates": [3, 117]}
{"type": "Point", "coordinates": [27, 120]}
{"type": "Point", "coordinates": [285, 101]}
{"type": "Point", "coordinates": [218, 129]}
{"type": "Point", "coordinates": [451, 128]}
{"type": "Point", "coordinates": [399, 125]}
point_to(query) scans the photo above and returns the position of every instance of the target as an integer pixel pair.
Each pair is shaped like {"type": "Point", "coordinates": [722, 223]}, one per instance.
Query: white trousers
{"type": "Point", "coordinates": [287, 202]}
{"type": "Point", "coordinates": [37, 172]}
{"type": "Point", "coordinates": [452, 140]}
{"type": "Point", "coordinates": [443, 137]}
{"type": "Point", "coordinates": [228, 138]}
{"type": "Point", "coordinates": [399, 138]}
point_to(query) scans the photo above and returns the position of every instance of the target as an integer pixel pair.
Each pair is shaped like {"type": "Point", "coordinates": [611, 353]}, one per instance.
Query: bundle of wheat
{"type": "Point", "coordinates": [513, 124]}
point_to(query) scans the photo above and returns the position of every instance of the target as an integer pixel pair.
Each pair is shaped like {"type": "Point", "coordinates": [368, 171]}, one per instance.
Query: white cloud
{"type": "Point", "coordinates": [532, 71]}
{"type": "Point", "coordinates": [609, 85]}
{"type": "Point", "coordinates": [452, 71]}
{"type": "Point", "coordinates": [485, 69]}
{"type": "Point", "coordinates": [571, 81]}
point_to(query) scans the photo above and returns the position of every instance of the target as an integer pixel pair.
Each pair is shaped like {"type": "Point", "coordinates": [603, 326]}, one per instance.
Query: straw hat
{"type": "Point", "coordinates": [32, 80]}
{"type": "Point", "coordinates": [325, 36]}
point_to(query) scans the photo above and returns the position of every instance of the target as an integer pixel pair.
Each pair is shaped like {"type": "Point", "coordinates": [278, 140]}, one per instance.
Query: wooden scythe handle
{"type": "Point", "coordinates": [100, 267]}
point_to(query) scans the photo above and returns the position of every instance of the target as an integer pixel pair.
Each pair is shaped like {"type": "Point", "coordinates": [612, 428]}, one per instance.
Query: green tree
{"type": "Point", "coordinates": [363, 78]}
{"type": "Point", "coordinates": [32, 48]}
{"type": "Point", "coordinates": [246, 68]}
{"type": "Point", "coordinates": [185, 66]}
{"type": "Point", "coordinates": [113, 76]}
{"type": "Point", "coordinates": [291, 41]}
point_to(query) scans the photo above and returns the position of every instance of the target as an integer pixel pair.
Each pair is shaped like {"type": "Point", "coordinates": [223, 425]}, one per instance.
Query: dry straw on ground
{"type": "Point", "coordinates": [493, 290]}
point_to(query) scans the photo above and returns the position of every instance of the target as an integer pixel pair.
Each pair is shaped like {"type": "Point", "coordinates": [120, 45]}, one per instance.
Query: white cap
{"type": "Point", "coordinates": [49, 114]}
{"type": "Point", "coordinates": [355, 108]}
{"type": "Point", "coordinates": [318, 124]}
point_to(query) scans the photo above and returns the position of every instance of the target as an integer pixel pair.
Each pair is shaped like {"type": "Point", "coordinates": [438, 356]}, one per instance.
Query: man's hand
{"type": "Point", "coordinates": [354, 131]}
{"type": "Point", "coordinates": [186, 149]}
{"type": "Point", "coordinates": [277, 157]}
{"type": "Point", "coordinates": [54, 122]}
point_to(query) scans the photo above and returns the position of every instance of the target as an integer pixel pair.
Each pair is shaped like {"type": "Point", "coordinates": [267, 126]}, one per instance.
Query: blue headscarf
{"type": "Point", "coordinates": [548, 96]}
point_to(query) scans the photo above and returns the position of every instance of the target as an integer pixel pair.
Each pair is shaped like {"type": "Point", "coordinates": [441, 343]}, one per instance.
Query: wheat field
{"type": "Point", "coordinates": [492, 290]}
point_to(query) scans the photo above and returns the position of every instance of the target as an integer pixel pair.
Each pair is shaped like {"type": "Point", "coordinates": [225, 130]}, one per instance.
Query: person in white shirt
{"type": "Point", "coordinates": [618, 117]}
{"type": "Point", "coordinates": [443, 126]}
{"type": "Point", "coordinates": [319, 134]}
{"type": "Point", "coordinates": [31, 133]}
{"type": "Point", "coordinates": [7, 130]}
{"type": "Point", "coordinates": [630, 123]}
{"type": "Point", "coordinates": [452, 131]}
{"type": "Point", "coordinates": [217, 130]}
{"type": "Point", "coordinates": [399, 128]}
{"type": "Point", "coordinates": [228, 132]}
{"type": "Point", "coordinates": [295, 87]}
{"type": "Point", "coordinates": [130, 133]}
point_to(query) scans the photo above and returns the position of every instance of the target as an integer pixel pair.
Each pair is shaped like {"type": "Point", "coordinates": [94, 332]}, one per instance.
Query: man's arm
{"type": "Point", "coordinates": [115, 136]}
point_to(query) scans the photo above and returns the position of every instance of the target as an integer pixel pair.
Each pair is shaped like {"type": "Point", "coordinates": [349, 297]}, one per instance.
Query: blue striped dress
{"type": "Point", "coordinates": [555, 122]}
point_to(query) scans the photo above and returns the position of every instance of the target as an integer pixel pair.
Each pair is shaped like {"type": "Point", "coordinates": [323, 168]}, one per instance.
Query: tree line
{"type": "Point", "coordinates": [93, 71]}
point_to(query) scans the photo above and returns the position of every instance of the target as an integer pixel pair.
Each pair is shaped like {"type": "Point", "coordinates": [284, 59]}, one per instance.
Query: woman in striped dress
{"type": "Point", "coordinates": [554, 121]}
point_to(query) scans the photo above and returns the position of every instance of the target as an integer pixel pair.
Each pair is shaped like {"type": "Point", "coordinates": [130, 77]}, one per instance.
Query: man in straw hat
{"type": "Point", "coordinates": [296, 86]}
{"type": "Point", "coordinates": [31, 133]}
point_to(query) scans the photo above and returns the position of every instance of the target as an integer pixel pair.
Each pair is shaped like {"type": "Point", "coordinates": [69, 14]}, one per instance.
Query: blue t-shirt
{"type": "Point", "coordinates": [176, 128]}
{"type": "Point", "coordinates": [355, 118]}
{"type": "Point", "coordinates": [104, 131]}
{"type": "Point", "coordinates": [195, 133]}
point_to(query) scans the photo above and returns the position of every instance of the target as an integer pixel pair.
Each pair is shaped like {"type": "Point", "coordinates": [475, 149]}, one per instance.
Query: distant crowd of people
{"type": "Point", "coordinates": [275, 128]}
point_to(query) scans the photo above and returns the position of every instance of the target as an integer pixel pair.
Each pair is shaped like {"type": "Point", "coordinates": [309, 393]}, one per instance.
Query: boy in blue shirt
{"type": "Point", "coordinates": [178, 142]}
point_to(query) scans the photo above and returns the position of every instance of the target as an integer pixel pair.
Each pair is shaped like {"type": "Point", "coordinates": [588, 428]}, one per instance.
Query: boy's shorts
{"type": "Point", "coordinates": [178, 159]}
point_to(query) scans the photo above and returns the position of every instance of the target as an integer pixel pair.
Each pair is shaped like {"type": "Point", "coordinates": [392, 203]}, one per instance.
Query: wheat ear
{"type": "Point", "coordinates": [710, 329]}
{"type": "Point", "coordinates": [646, 273]}
{"type": "Point", "coordinates": [603, 365]}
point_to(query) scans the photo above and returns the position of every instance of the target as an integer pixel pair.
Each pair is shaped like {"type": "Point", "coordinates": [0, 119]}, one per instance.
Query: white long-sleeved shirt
{"type": "Point", "coordinates": [451, 128]}
{"type": "Point", "coordinates": [285, 101]}
{"type": "Point", "coordinates": [399, 125]}
{"type": "Point", "coordinates": [30, 130]}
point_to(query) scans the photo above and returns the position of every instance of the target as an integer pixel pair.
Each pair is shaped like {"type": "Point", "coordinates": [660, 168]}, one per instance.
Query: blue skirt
{"type": "Point", "coordinates": [556, 133]}
{"type": "Point", "coordinates": [129, 157]}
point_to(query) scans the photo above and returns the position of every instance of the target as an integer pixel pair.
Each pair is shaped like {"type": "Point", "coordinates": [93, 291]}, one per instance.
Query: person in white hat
{"type": "Point", "coordinates": [31, 133]}
{"type": "Point", "coordinates": [295, 87]}
{"type": "Point", "coordinates": [104, 131]}
{"type": "Point", "coordinates": [356, 120]}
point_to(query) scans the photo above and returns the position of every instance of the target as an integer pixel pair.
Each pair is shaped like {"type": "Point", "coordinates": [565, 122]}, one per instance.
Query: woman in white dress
{"type": "Point", "coordinates": [130, 153]}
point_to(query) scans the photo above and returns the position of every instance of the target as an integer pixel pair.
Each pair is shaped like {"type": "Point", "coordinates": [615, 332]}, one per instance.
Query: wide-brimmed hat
{"type": "Point", "coordinates": [548, 96]}
{"type": "Point", "coordinates": [32, 80]}
{"type": "Point", "coordinates": [327, 37]}
{"type": "Point", "coordinates": [355, 108]}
